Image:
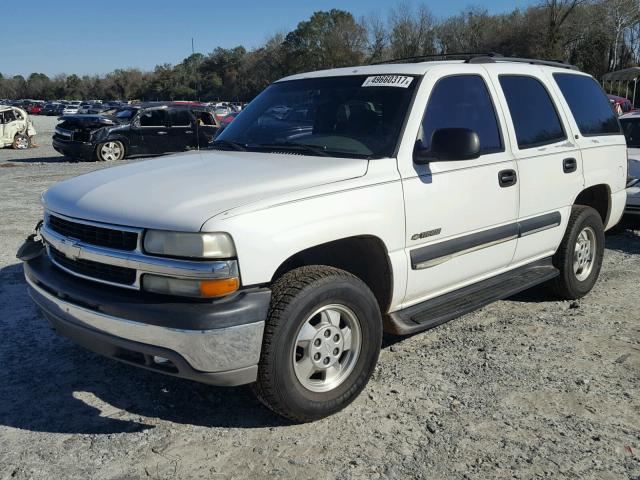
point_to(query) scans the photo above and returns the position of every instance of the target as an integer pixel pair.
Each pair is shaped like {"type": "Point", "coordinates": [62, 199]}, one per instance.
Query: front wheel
{"type": "Point", "coordinates": [21, 142]}
{"type": "Point", "coordinates": [321, 343]}
{"type": "Point", "coordinates": [579, 257]}
{"type": "Point", "coordinates": [110, 151]}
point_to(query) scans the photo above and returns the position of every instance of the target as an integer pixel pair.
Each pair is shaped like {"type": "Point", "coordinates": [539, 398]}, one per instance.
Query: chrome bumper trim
{"type": "Point", "coordinates": [215, 350]}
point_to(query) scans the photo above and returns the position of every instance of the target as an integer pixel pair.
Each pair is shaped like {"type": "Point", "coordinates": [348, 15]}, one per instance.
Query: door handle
{"type": "Point", "coordinates": [188, 131]}
{"type": "Point", "coordinates": [507, 178]}
{"type": "Point", "coordinates": [569, 165]}
{"type": "Point", "coordinates": [162, 133]}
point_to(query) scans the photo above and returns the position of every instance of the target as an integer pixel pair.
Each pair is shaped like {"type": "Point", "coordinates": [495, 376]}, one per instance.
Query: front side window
{"type": "Point", "coordinates": [153, 118]}
{"type": "Point", "coordinates": [533, 113]}
{"type": "Point", "coordinates": [354, 116]}
{"type": "Point", "coordinates": [588, 104]}
{"type": "Point", "coordinates": [631, 129]}
{"type": "Point", "coordinates": [462, 101]}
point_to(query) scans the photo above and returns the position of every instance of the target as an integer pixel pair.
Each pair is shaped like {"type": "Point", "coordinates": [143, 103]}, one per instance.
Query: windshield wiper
{"type": "Point", "coordinates": [300, 147]}
{"type": "Point", "coordinates": [228, 143]}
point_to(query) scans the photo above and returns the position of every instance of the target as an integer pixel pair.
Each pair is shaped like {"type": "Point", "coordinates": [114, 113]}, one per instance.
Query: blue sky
{"type": "Point", "coordinates": [86, 37]}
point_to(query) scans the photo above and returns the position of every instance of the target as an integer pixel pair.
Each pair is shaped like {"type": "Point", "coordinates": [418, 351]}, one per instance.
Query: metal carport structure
{"type": "Point", "coordinates": [626, 76]}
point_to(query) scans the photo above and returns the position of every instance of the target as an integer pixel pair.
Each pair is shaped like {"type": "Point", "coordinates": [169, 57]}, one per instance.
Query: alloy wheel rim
{"type": "Point", "coordinates": [327, 348]}
{"type": "Point", "coordinates": [22, 143]}
{"type": "Point", "coordinates": [584, 253]}
{"type": "Point", "coordinates": [111, 151]}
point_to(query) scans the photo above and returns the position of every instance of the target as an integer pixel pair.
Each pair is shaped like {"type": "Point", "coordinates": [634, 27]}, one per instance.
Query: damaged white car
{"type": "Point", "coordinates": [16, 130]}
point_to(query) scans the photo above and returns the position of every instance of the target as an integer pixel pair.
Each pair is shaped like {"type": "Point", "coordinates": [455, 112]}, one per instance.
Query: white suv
{"type": "Point", "coordinates": [337, 204]}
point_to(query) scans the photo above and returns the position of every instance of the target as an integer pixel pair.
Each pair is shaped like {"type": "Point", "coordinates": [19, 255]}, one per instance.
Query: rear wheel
{"type": "Point", "coordinates": [110, 151]}
{"type": "Point", "coordinates": [21, 142]}
{"type": "Point", "coordinates": [579, 257]}
{"type": "Point", "coordinates": [321, 343]}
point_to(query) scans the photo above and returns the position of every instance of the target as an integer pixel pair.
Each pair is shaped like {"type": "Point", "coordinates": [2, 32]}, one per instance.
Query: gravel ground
{"type": "Point", "coordinates": [525, 388]}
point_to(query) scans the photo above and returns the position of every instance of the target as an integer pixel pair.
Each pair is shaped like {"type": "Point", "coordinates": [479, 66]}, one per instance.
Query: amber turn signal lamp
{"type": "Point", "coordinates": [218, 288]}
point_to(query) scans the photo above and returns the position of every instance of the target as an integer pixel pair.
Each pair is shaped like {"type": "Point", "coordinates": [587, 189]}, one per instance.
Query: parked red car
{"type": "Point", "coordinates": [35, 109]}
{"type": "Point", "coordinates": [620, 105]}
{"type": "Point", "coordinates": [227, 119]}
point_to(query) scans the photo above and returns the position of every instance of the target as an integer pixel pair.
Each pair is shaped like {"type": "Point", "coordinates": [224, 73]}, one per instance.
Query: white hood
{"type": "Point", "coordinates": [180, 192]}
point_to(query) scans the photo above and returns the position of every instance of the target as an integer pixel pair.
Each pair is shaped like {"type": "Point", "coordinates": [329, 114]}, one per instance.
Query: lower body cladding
{"type": "Point", "coordinates": [223, 350]}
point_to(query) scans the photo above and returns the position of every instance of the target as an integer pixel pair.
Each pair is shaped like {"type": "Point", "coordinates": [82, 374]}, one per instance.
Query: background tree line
{"type": "Point", "coordinates": [596, 35]}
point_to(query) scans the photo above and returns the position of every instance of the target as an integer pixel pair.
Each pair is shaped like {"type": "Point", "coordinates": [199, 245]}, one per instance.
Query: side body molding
{"type": "Point", "coordinates": [435, 254]}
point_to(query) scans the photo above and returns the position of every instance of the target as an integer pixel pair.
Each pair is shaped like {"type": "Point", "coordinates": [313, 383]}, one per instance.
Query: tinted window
{"type": "Point", "coordinates": [588, 103]}
{"type": "Point", "coordinates": [464, 102]}
{"type": "Point", "coordinates": [180, 118]}
{"type": "Point", "coordinates": [153, 118]}
{"type": "Point", "coordinates": [631, 129]}
{"type": "Point", "coordinates": [532, 111]}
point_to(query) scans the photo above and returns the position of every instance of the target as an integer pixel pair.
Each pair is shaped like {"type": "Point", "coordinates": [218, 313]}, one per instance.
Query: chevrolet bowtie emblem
{"type": "Point", "coordinates": [70, 249]}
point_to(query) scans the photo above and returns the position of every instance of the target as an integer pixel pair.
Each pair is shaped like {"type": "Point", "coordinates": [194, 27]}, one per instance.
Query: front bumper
{"type": "Point", "coordinates": [74, 149]}
{"type": "Point", "coordinates": [216, 342]}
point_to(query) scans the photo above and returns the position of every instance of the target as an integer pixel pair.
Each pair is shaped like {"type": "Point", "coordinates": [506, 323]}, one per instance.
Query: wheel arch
{"type": "Point", "coordinates": [597, 197]}
{"type": "Point", "coordinates": [365, 256]}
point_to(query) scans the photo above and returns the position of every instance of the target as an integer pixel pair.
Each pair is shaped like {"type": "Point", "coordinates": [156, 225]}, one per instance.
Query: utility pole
{"type": "Point", "coordinates": [195, 72]}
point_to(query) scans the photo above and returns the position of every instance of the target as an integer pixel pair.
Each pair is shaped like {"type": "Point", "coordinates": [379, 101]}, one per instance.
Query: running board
{"type": "Point", "coordinates": [439, 310]}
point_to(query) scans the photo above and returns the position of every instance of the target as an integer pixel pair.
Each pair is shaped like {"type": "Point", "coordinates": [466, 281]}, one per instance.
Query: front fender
{"type": "Point", "coordinates": [265, 238]}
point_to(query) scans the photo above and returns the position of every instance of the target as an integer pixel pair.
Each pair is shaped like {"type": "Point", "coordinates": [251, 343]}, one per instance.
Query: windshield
{"type": "Point", "coordinates": [354, 116]}
{"type": "Point", "coordinates": [631, 129]}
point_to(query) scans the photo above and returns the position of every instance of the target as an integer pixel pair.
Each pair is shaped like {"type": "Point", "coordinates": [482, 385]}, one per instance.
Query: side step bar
{"type": "Point", "coordinates": [439, 310]}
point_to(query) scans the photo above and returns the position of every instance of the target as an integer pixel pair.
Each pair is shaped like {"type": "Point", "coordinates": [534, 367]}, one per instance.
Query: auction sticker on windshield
{"type": "Point", "coordinates": [401, 81]}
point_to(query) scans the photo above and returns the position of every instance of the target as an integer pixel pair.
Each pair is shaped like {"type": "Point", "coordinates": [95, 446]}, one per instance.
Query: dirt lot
{"type": "Point", "coordinates": [525, 388]}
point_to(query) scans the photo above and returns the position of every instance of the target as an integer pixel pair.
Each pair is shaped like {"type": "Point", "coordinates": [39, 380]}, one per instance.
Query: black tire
{"type": "Point", "coordinates": [297, 295]}
{"type": "Point", "coordinates": [567, 285]}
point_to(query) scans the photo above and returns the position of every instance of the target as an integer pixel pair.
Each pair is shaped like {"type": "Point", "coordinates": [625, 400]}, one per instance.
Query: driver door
{"type": "Point", "coordinates": [460, 214]}
{"type": "Point", "coordinates": [153, 130]}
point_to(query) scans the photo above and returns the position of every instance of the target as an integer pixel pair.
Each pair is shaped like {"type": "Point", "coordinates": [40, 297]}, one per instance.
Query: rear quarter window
{"type": "Point", "coordinates": [588, 104]}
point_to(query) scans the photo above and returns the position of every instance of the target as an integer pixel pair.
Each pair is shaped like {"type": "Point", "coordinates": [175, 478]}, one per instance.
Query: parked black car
{"type": "Point", "coordinates": [135, 130]}
{"type": "Point", "coordinates": [52, 109]}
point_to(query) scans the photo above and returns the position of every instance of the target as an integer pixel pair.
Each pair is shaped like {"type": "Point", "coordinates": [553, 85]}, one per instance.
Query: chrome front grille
{"type": "Point", "coordinates": [94, 235]}
{"type": "Point", "coordinates": [94, 270]}
{"type": "Point", "coordinates": [112, 254]}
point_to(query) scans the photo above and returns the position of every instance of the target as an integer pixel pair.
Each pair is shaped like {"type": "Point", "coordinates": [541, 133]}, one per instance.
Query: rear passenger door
{"type": "Point", "coordinates": [460, 216]}
{"type": "Point", "coordinates": [206, 127]}
{"type": "Point", "coordinates": [597, 133]}
{"type": "Point", "coordinates": [548, 158]}
{"type": "Point", "coordinates": [182, 133]}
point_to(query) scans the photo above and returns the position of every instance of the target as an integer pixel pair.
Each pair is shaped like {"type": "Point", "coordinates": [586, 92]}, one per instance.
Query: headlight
{"type": "Point", "coordinates": [192, 245]}
{"type": "Point", "coordinates": [189, 288]}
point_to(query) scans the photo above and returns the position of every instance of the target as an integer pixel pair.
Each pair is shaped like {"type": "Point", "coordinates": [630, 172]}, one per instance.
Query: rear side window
{"type": "Point", "coordinates": [153, 118]}
{"type": "Point", "coordinates": [462, 101]}
{"type": "Point", "coordinates": [588, 103]}
{"type": "Point", "coordinates": [180, 118]}
{"type": "Point", "coordinates": [534, 115]}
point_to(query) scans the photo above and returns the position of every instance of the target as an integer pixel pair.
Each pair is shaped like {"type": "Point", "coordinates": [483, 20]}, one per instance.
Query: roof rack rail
{"type": "Point", "coordinates": [439, 56]}
{"type": "Point", "coordinates": [531, 61]}
{"type": "Point", "coordinates": [488, 57]}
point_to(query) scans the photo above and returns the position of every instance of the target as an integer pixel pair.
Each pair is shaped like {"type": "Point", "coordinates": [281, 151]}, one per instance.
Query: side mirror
{"type": "Point", "coordinates": [448, 144]}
